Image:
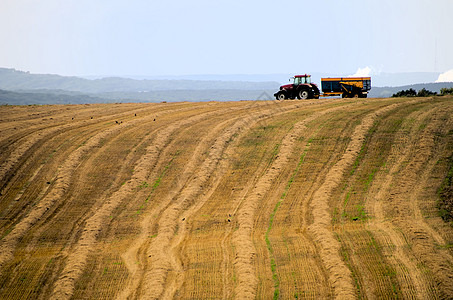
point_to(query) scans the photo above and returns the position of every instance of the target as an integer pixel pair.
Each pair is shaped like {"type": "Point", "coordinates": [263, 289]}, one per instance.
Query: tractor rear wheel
{"type": "Point", "coordinates": [303, 94]}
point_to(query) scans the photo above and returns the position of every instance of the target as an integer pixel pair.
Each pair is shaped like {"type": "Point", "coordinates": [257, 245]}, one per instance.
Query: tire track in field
{"type": "Point", "coordinates": [297, 208]}
{"type": "Point", "coordinates": [228, 236]}
{"type": "Point", "coordinates": [48, 161]}
{"type": "Point", "coordinates": [228, 232]}
{"type": "Point", "coordinates": [34, 138]}
{"type": "Point", "coordinates": [424, 239]}
{"type": "Point", "coordinates": [303, 214]}
{"type": "Point", "coordinates": [85, 128]}
{"type": "Point", "coordinates": [404, 142]}
{"type": "Point", "coordinates": [138, 248]}
{"type": "Point", "coordinates": [426, 140]}
{"type": "Point", "coordinates": [175, 283]}
{"type": "Point", "coordinates": [62, 182]}
{"type": "Point", "coordinates": [37, 159]}
{"type": "Point", "coordinates": [242, 237]}
{"type": "Point", "coordinates": [28, 162]}
{"type": "Point", "coordinates": [226, 261]}
{"type": "Point", "coordinates": [77, 259]}
{"type": "Point", "coordinates": [340, 276]}
{"type": "Point", "coordinates": [8, 244]}
{"type": "Point", "coordinates": [24, 141]}
{"type": "Point", "coordinates": [418, 229]}
{"type": "Point", "coordinates": [152, 281]}
{"type": "Point", "coordinates": [220, 146]}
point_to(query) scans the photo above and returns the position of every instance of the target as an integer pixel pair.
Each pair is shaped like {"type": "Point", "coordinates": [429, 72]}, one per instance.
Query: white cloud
{"type": "Point", "coordinates": [362, 72]}
{"type": "Point", "coordinates": [446, 76]}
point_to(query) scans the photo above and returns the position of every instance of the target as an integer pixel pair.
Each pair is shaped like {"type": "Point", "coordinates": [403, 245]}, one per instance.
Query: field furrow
{"type": "Point", "coordinates": [293, 245]}
{"type": "Point", "coordinates": [244, 245]}
{"type": "Point", "coordinates": [321, 199]}
{"type": "Point", "coordinates": [187, 200]}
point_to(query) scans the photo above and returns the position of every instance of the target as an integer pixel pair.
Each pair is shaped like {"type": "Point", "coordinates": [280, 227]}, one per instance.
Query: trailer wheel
{"type": "Point", "coordinates": [303, 94]}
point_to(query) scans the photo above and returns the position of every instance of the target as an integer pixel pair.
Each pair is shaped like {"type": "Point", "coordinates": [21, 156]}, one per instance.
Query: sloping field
{"type": "Point", "coordinates": [254, 199]}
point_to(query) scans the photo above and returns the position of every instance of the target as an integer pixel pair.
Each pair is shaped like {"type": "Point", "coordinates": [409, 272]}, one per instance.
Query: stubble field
{"type": "Point", "coordinates": [313, 199]}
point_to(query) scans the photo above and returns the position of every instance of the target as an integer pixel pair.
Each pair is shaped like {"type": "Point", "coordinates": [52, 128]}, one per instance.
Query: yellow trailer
{"type": "Point", "coordinates": [347, 87]}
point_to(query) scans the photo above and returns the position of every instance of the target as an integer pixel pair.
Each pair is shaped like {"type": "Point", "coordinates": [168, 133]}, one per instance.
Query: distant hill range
{"type": "Point", "coordinates": [46, 97]}
{"type": "Point", "coordinates": [21, 88]}
{"type": "Point", "coordinates": [11, 79]}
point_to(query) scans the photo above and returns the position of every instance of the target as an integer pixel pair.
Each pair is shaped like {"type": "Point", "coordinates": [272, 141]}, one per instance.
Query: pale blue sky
{"type": "Point", "coordinates": [138, 37]}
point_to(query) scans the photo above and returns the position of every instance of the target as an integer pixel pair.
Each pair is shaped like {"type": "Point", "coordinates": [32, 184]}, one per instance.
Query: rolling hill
{"type": "Point", "coordinates": [333, 198]}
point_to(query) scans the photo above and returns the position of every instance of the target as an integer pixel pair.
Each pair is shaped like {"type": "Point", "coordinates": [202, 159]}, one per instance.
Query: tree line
{"type": "Point", "coordinates": [422, 93]}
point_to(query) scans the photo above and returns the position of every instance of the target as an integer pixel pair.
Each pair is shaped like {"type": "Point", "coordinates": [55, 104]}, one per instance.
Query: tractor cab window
{"type": "Point", "coordinates": [302, 80]}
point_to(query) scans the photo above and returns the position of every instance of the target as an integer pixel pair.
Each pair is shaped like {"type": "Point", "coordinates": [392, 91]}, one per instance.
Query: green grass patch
{"type": "Point", "coordinates": [143, 185]}
{"type": "Point", "coordinates": [159, 179]}
{"type": "Point", "coordinates": [364, 148]}
{"type": "Point", "coordinates": [387, 270]}
{"type": "Point", "coordinates": [445, 246]}
{"type": "Point", "coordinates": [346, 258]}
{"type": "Point", "coordinates": [6, 233]}
{"type": "Point", "coordinates": [370, 178]}
{"type": "Point", "coordinates": [271, 221]}
{"type": "Point", "coordinates": [445, 194]}
{"type": "Point", "coordinates": [271, 252]}
{"type": "Point", "coordinates": [154, 186]}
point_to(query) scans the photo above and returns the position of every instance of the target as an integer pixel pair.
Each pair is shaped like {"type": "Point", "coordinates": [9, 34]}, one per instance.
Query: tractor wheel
{"type": "Point", "coordinates": [303, 94]}
{"type": "Point", "coordinates": [356, 95]}
{"type": "Point", "coordinates": [281, 96]}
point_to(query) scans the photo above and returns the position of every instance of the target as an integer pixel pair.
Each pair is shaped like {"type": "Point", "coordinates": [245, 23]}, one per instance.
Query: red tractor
{"type": "Point", "coordinates": [301, 88]}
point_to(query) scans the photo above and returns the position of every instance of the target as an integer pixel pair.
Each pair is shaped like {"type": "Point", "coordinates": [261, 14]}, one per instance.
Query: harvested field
{"type": "Point", "coordinates": [333, 198]}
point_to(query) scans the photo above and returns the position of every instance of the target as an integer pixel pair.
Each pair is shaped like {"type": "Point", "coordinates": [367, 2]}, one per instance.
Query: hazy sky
{"type": "Point", "coordinates": [150, 37]}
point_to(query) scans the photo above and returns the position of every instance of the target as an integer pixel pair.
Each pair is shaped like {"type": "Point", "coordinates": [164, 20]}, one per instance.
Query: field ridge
{"type": "Point", "coordinates": [331, 198]}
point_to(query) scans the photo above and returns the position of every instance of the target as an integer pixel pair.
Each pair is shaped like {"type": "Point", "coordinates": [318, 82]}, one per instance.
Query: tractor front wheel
{"type": "Point", "coordinates": [281, 96]}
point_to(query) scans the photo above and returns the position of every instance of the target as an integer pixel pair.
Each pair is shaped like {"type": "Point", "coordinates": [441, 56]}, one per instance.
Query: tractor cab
{"type": "Point", "coordinates": [301, 79]}
{"type": "Point", "coordinates": [301, 88]}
